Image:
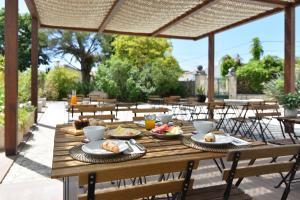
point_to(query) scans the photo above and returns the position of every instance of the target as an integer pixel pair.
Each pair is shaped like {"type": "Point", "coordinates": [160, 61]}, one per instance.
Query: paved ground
{"type": "Point", "coordinates": [28, 178]}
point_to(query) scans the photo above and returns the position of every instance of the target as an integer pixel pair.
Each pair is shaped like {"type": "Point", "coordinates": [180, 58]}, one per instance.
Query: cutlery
{"type": "Point", "coordinates": [129, 146]}
{"type": "Point", "coordinates": [133, 142]}
{"type": "Point", "coordinates": [234, 140]}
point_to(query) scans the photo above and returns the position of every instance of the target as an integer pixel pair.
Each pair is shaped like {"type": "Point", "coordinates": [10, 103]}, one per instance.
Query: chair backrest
{"type": "Point", "coordinates": [266, 110]}
{"type": "Point", "coordinates": [100, 117]}
{"type": "Point", "coordinates": [183, 184]}
{"type": "Point", "coordinates": [107, 101]}
{"type": "Point", "coordinates": [144, 111]}
{"type": "Point", "coordinates": [103, 108]}
{"type": "Point", "coordinates": [267, 167]}
{"type": "Point", "coordinates": [172, 99]}
{"type": "Point", "coordinates": [90, 108]}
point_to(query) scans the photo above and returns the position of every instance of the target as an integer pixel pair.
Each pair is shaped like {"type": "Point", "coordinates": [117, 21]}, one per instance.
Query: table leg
{"type": "Point", "coordinates": [66, 189]}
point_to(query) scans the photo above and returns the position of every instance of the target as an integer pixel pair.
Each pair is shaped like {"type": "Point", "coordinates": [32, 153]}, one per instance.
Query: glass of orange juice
{"type": "Point", "coordinates": [150, 121]}
{"type": "Point", "coordinates": [73, 98]}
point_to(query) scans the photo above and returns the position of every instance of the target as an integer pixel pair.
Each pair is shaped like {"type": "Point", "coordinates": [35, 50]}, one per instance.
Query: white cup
{"type": "Point", "coordinates": [203, 127]}
{"type": "Point", "coordinates": [93, 133]}
{"type": "Point", "coordinates": [165, 118]}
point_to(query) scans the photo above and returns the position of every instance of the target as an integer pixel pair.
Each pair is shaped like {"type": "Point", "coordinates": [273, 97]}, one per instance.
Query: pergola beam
{"type": "Point", "coordinates": [289, 49]}
{"type": "Point", "coordinates": [205, 4]}
{"type": "Point", "coordinates": [34, 64]}
{"type": "Point", "coordinates": [32, 8]}
{"type": "Point", "coordinates": [113, 10]}
{"type": "Point", "coordinates": [11, 76]}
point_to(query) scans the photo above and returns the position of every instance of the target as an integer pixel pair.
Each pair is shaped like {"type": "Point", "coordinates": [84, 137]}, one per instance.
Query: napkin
{"type": "Point", "coordinates": [135, 149]}
{"type": "Point", "coordinates": [239, 142]}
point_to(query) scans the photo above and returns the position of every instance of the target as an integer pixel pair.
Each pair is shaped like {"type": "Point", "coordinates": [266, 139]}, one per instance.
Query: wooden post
{"type": "Point", "coordinates": [211, 70]}
{"type": "Point", "coordinates": [11, 76]}
{"type": "Point", "coordinates": [289, 50]}
{"type": "Point", "coordinates": [34, 65]}
{"type": "Point", "coordinates": [211, 67]}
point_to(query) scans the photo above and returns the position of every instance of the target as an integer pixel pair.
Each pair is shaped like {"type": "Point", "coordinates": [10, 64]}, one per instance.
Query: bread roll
{"type": "Point", "coordinates": [210, 137]}
{"type": "Point", "coordinates": [110, 146]}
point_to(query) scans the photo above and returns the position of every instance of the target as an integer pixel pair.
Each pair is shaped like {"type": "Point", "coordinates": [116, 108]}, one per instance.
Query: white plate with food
{"type": "Point", "coordinates": [212, 139]}
{"type": "Point", "coordinates": [167, 132]}
{"type": "Point", "coordinates": [123, 133]}
{"type": "Point", "coordinates": [105, 147]}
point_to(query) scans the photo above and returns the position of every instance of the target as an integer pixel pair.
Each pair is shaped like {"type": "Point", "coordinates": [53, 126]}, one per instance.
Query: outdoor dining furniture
{"type": "Point", "coordinates": [163, 154]}
{"type": "Point", "coordinates": [144, 111]}
{"type": "Point", "coordinates": [193, 110]}
{"type": "Point", "coordinates": [239, 109]}
{"type": "Point", "coordinates": [256, 167]}
{"type": "Point", "coordinates": [289, 128]}
{"type": "Point", "coordinates": [264, 113]}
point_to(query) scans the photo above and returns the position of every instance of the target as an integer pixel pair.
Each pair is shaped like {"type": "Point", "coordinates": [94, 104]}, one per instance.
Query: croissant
{"type": "Point", "coordinates": [110, 146]}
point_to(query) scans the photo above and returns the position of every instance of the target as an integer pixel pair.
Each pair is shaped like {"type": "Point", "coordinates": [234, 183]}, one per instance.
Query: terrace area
{"type": "Point", "coordinates": [250, 140]}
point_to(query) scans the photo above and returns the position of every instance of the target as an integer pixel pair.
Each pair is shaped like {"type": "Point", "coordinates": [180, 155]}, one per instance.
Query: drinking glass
{"type": "Point", "coordinates": [73, 98]}
{"type": "Point", "coordinates": [150, 121]}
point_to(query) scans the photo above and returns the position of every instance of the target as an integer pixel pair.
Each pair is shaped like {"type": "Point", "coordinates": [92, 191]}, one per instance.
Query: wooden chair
{"type": "Point", "coordinates": [100, 117]}
{"type": "Point", "coordinates": [237, 171]}
{"type": "Point", "coordinates": [106, 101]}
{"type": "Point", "coordinates": [149, 189]}
{"type": "Point", "coordinates": [95, 109]}
{"type": "Point", "coordinates": [147, 111]}
{"type": "Point", "coordinates": [264, 113]}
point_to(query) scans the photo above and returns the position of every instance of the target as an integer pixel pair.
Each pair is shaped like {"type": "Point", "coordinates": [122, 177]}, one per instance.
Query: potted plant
{"type": "Point", "coordinates": [201, 94]}
{"type": "Point", "coordinates": [290, 102]}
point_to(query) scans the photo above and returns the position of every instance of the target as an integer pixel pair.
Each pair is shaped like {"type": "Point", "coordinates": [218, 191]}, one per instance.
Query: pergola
{"type": "Point", "coordinates": [180, 19]}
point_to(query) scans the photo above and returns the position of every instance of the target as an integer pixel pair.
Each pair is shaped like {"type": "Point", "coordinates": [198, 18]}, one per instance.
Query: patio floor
{"type": "Point", "coordinates": [28, 177]}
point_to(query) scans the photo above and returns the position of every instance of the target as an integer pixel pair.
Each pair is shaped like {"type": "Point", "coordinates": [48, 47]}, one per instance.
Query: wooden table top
{"type": "Point", "coordinates": [158, 152]}
{"type": "Point", "coordinates": [295, 120]}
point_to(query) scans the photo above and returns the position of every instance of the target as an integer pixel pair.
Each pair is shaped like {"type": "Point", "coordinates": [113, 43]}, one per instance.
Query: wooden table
{"type": "Point", "coordinates": [158, 152]}
{"type": "Point", "coordinates": [289, 123]}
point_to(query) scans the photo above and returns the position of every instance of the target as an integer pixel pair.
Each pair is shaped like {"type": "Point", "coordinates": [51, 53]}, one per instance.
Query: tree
{"type": "Point", "coordinates": [24, 42]}
{"type": "Point", "coordinates": [253, 75]}
{"type": "Point", "coordinates": [139, 66]}
{"type": "Point", "coordinates": [227, 62]}
{"type": "Point", "coordinates": [59, 82]}
{"type": "Point", "coordinates": [256, 49]}
{"type": "Point", "coordinates": [84, 48]}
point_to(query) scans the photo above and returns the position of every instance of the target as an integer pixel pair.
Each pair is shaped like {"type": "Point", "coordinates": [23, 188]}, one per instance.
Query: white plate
{"type": "Point", "coordinates": [95, 148]}
{"type": "Point", "coordinates": [113, 134]}
{"type": "Point", "coordinates": [220, 139]}
{"type": "Point", "coordinates": [165, 136]}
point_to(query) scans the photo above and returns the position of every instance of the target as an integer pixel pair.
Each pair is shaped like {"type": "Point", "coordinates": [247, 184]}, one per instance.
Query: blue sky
{"type": "Point", "coordinates": [235, 41]}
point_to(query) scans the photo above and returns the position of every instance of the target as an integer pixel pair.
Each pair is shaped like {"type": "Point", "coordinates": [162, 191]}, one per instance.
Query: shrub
{"type": "Point", "coordinates": [60, 82]}
{"type": "Point", "coordinates": [24, 86]}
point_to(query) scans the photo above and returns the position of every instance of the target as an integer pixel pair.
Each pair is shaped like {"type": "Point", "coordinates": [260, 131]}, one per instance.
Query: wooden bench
{"type": "Point", "coordinates": [147, 111]}
{"type": "Point", "coordinates": [149, 189]}
{"type": "Point", "coordinates": [228, 191]}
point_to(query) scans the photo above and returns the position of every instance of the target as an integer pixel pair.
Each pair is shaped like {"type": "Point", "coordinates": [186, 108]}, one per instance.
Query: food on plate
{"type": "Point", "coordinates": [217, 132]}
{"type": "Point", "coordinates": [111, 146]}
{"type": "Point", "coordinates": [167, 130]}
{"type": "Point", "coordinates": [95, 122]}
{"type": "Point", "coordinates": [81, 123]}
{"type": "Point", "coordinates": [209, 137]}
{"type": "Point", "coordinates": [120, 131]}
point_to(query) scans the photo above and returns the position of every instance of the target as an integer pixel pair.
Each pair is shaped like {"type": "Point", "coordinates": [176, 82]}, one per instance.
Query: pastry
{"type": "Point", "coordinates": [110, 146]}
{"type": "Point", "coordinates": [209, 137]}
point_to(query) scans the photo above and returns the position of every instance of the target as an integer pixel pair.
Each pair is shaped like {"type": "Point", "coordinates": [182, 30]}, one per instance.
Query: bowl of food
{"type": "Point", "coordinates": [203, 127]}
{"type": "Point", "coordinates": [94, 133]}
{"type": "Point", "coordinates": [81, 123]}
{"type": "Point", "coordinates": [165, 118]}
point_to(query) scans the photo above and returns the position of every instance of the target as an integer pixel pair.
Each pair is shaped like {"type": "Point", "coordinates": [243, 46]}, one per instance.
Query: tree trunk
{"type": "Point", "coordinates": [85, 73]}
